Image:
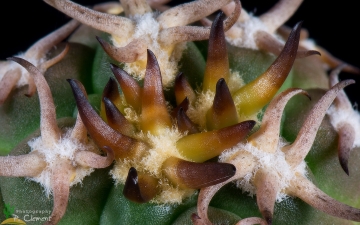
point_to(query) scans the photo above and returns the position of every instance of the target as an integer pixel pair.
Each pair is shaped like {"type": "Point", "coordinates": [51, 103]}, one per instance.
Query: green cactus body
{"type": "Point", "coordinates": [136, 121]}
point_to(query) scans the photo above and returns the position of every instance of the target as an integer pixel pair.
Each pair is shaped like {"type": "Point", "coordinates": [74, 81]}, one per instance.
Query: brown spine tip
{"type": "Point", "coordinates": [111, 92]}
{"type": "Point", "coordinates": [345, 145]}
{"type": "Point", "coordinates": [154, 114]}
{"type": "Point", "coordinates": [251, 97]}
{"type": "Point", "coordinates": [129, 86]}
{"type": "Point", "coordinates": [104, 44]}
{"type": "Point", "coordinates": [303, 54]}
{"type": "Point", "coordinates": [217, 64]}
{"type": "Point", "coordinates": [268, 216]}
{"type": "Point", "coordinates": [183, 89]}
{"type": "Point", "coordinates": [131, 189]}
{"type": "Point", "coordinates": [288, 54]}
{"type": "Point", "coordinates": [101, 133]}
{"type": "Point", "coordinates": [269, 43]}
{"type": "Point", "coordinates": [197, 175]}
{"type": "Point", "coordinates": [223, 111]}
{"type": "Point", "coordinates": [184, 123]}
{"type": "Point", "coordinates": [79, 131]}
{"type": "Point", "coordinates": [234, 16]}
{"type": "Point", "coordinates": [184, 105]}
{"type": "Point", "coordinates": [116, 119]}
{"type": "Point", "coordinates": [139, 188]}
{"type": "Point", "coordinates": [267, 186]}
{"type": "Point", "coordinates": [204, 146]}
{"type": "Point", "coordinates": [196, 219]}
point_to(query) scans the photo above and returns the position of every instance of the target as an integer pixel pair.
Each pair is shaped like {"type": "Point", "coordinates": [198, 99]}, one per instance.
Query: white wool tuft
{"type": "Point", "coordinates": [148, 28]}
{"type": "Point", "coordinates": [121, 169]}
{"type": "Point", "coordinates": [170, 194]}
{"type": "Point", "coordinates": [352, 117]}
{"type": "Point", "coordinates": [65, 148]}
{"type": "Point", "coordinates": [81, 172]}
{"type": "Point", "coordinates": [248, 29]}
{"type": "Point", "coordinates": [235, 81]}
{"type": "Point", "coordinates": [131, 115]}
{"type": "Point", "coordinates": [162, 147]}
{"type": "Point", "coordinates": [205, 100]}
{"type": "Point", "coordinates": [274, 161]}
{"type": "Point", "coordinates": [146, 25]}
{"type": "Point", "coordinates": [203, 103]}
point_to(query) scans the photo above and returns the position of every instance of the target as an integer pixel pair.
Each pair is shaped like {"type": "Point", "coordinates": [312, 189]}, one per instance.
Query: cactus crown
{"type": "Point", "coordinates": [166, 150]}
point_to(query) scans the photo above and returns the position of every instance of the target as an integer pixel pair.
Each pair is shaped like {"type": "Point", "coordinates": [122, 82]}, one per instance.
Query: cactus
{"type": "Point", "coordinates": [183, 116]}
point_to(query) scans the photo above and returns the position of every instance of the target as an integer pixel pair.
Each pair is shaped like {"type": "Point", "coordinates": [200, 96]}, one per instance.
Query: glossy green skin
{"type": "Point", "coordinates": [99, 201]}
{"type": "Point", "coordinates": [140, 213]}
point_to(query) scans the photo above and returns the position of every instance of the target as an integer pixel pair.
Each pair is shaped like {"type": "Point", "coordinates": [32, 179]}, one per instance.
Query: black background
{"type": "Point", "coordinates": [333, 26]}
